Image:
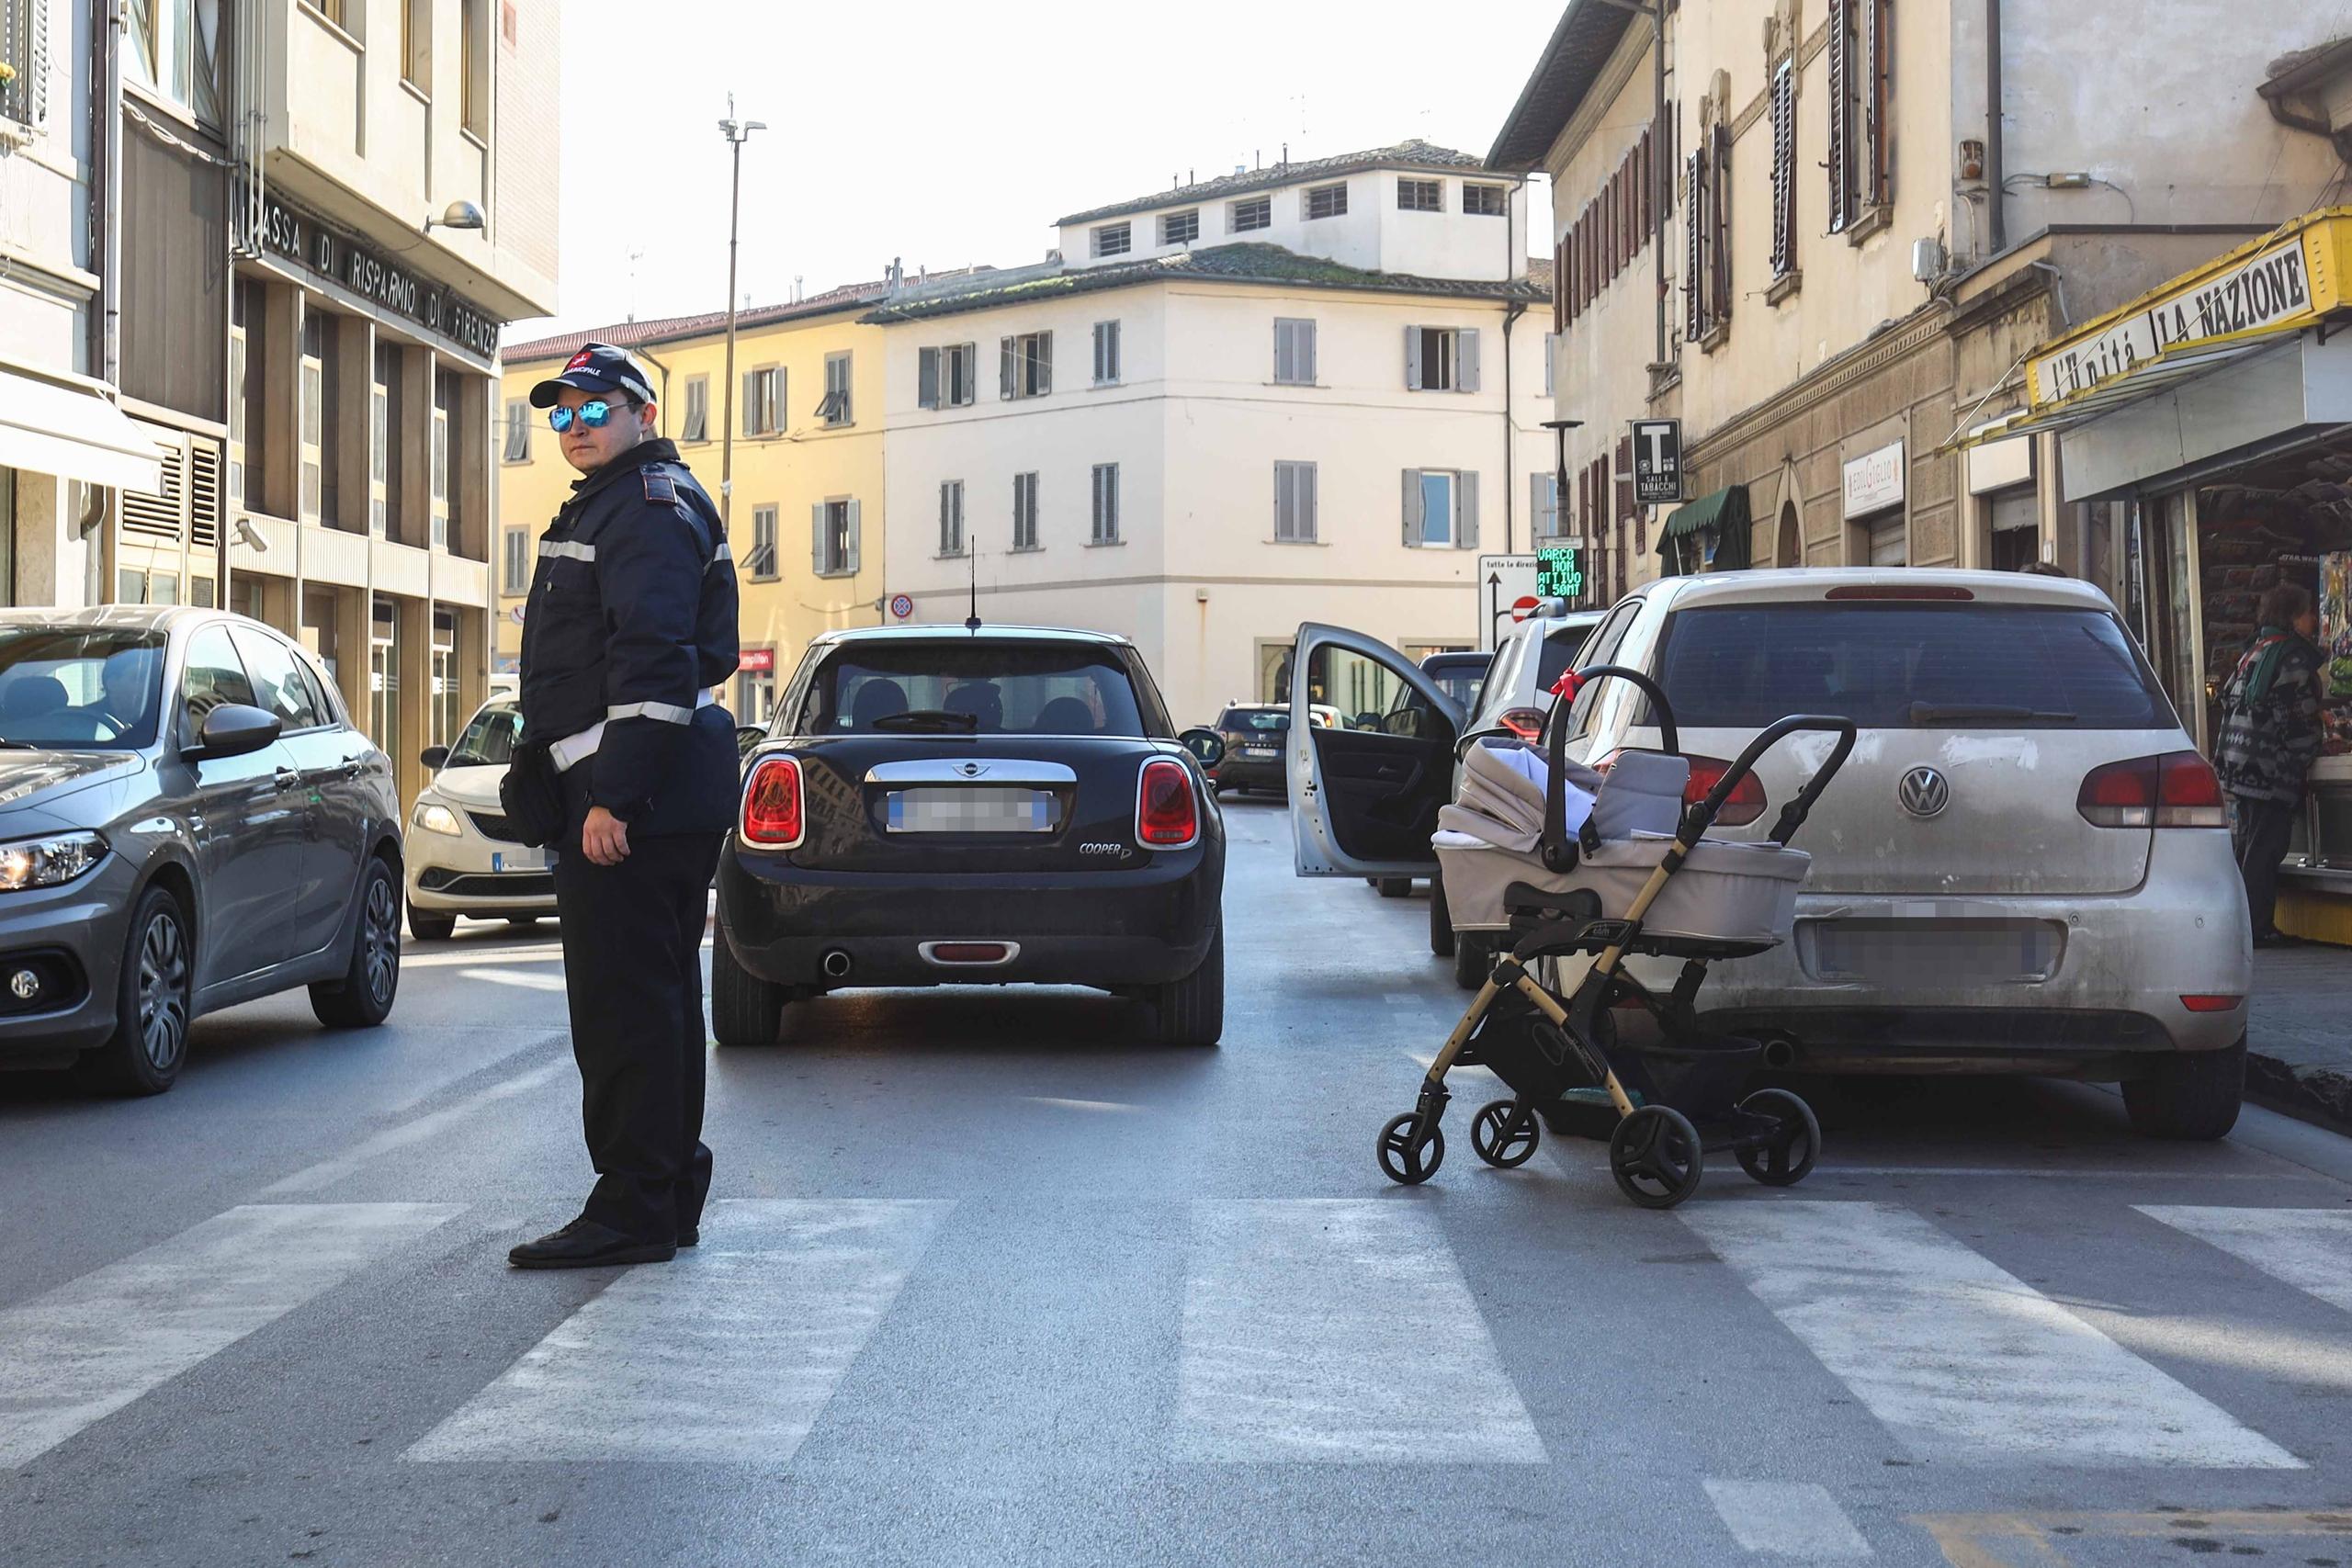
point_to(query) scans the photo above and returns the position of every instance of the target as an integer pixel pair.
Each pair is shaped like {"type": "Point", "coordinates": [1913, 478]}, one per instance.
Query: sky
{"type": "Point", "coordinates": [948, 134]}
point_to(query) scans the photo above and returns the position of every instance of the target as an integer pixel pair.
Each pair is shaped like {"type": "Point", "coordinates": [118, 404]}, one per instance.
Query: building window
{"type": "Point", "coordinates": [1441, 510]}
{"type": "Point", "coordinates": [1025, 366]}
{"type": "Point", "coordinates": [1707, 286]}
{"type": "Point", "coordinates": [833, 547]}
{"type": "Point", "coordinates": [245, 422]}
{"type": "Point", "coordinates": [314, 413]}
{"type": "Point", "coordinates": [1327, 202]}
{"type": "Point", "coordinates": [1606, 236]}
{"type": "Point", "coordinates": [1113, 240]}
{"type": "Point", "coordinates": [172, 48]}
{"type": "Point", "coordinates": [755, 690]}
{"type": "Point", "coordinates": [446, 714]}
{"type": "Point", "coordinates": [416, 44]}
{"type": "Point", "coordinates": [1294, 351]}
{"type": "Point", "coordinates": [763, 400]}
{"type": "Point", "coordinates": [1784, 169]}
{"type": "Point", "coordinates": [1294, 503]}
{"type": "Point", "coordinates": [696, 424]}
{"type": "Point", "coordinates": [1486, 201]}
{"type": "Point", "coordinates": [1256, 212]}
{"type": "Point", "coordinates": [1421, 196]}
{"type": "Point", "coordinates": [1106, 352]}
{"type": "Point", "coordinates": [473, 66]}
{"type": "Point", "coordinates": [951, 518]}
{"type": "Point", "coordinates": [447, 440]}
{"type": "Point", "coordinates": [24, 49]}
{"type": "Point", "coordinates": [1441, 359]}
{"type": "Point", "coordinates": [383, 438]}
{"type": "Point", "coordinates": [1106, 503]}
{"type": "Point", "coordinates": [1861, 75]}
{"type": "Point", "coordinates": [518, 431]}
{"type": "Point", "coordinates": [1543, 506]}
{"type": "Point", "coordinates": [834, 408]}
{"type": "Point", "coordinates": [384, 675]}
{"type": "Point", "coordinates": [518, 562]}
{"type": "Point", "coordinates": [1024, 511]}
{"type": "Point", "coordinates": [943, 377]}
{"type": "Point", "coordinates": [1180, 227]}
{"type": "Point", "coordinates": [760, 565]}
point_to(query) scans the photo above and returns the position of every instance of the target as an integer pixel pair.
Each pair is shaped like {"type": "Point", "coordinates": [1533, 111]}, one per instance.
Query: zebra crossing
{"type": "Point", "coordinates": [1325, 1331]}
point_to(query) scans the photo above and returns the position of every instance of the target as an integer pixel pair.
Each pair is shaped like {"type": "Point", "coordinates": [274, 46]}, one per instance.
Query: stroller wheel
{"type": "Point", "coordinates": [1655, 1154]}
{"type": "Point", "coordinates": [1405, 1156]}
{"type": "Point", "coordinates": [1504, 1133]}
{"type": "Point", "coordinates": [1782, 1156]}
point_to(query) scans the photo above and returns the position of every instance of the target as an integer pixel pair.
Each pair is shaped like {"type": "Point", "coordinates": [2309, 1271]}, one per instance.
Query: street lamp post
{"type": "Point", "coordinates": [1559, 429]}
{"type": "Point", "coordinates": [737, 132]}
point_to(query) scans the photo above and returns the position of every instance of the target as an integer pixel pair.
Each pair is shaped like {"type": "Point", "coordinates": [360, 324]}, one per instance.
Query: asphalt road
{"type": "Point", "coordinates": [989, 1282]}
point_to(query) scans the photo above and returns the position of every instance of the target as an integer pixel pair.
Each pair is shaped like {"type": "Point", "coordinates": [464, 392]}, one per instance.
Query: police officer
{"type": "Point", "coordinates": [631, 622]}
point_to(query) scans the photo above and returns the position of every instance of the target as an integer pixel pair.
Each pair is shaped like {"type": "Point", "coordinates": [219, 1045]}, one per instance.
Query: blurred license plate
{"type": "Point", "coordinates": [1257, 750]}
{"type": "Point", "coordinates": [1936, 952]}
{"type": "Point", "coordinates": [518, 860]}
{"type": "Point", "coordinates": [970, 810]}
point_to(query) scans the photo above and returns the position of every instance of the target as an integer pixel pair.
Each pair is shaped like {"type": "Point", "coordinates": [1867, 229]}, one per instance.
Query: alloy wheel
{"type": "Point", "coordinates": [380, 930]}
{"type": "Point", "coordinates": [163, 991]}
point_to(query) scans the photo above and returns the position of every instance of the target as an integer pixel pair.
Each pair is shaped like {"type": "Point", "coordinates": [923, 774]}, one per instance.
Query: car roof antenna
{"type": "Point", "coordinates": [972, 564]}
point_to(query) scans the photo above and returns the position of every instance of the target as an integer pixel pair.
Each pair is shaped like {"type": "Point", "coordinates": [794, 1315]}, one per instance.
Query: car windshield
{"type": "Point", "coordinates": [1272, 721]}
{"type": "Point", "coordinates": [488, 739]}
{"type": "Point", "coordinates": [80, 688]}
{"type": "Point", "coordinates": [1559, 654]}
{"type": "Point", "coordinates": [976, 687]}
{"type": "Point", "coordinates": [1908, 666]}
{"type": "Point", "coordinates": [1460, 680]}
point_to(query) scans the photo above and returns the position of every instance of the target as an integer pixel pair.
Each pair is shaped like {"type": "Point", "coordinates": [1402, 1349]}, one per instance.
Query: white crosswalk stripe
{"type": "Point", "coordinates": [1962, 1360]}
{"type": "Point", "coordinates": [727, 1354]}
{"type": "Point", "coordinates": [2309, 1248]}
{"type": "Point", "coordinates": [89, 1348]}
{"type": "Point", "coordinates": [1786, 1519]}
{"type": "Point", "coordinates": [1338, 1330]}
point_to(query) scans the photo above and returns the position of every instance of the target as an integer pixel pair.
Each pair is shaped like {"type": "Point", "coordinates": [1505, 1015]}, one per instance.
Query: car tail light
{"type": "Point", "coordinates": [1525, 723]}
{"type": "Point", "coordinates": [2211, 1002]}
{"type": "Point", "coordinates": [773, 816]}
{"type": "Point", "coordinates": [1168, 816]}
{"type": "Point", "coordinates": [1744, 805]}
{"type": "Point", "coordinates": [2177, 789]}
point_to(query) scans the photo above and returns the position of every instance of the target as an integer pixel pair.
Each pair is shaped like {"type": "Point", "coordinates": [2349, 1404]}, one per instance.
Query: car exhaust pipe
{"type": "Point", "coordinates": [1780, 1053]}
{"type": "Point", "coordinates": [835, 963]}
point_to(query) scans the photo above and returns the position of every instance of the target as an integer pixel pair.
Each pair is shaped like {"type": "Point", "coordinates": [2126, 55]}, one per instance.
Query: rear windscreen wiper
{"type": "Point", "coordinates": [1950, 712]}
{"type": "Point", "coordinates": [930, 718]}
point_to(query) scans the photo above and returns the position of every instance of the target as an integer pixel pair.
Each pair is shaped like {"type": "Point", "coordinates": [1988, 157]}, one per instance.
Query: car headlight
{"type": "Point", "coordinates": [45, 863]}
{"type": "Point", "coordinates": [435, 818]}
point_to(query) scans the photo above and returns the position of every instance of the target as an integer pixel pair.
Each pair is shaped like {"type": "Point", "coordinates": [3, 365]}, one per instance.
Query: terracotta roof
{"type": "Point", "coordinates": [1246, 263]}
{"type": "Point", "coordinates": [671, 329]}
{"type": "Point", "coordinates": [1580, 47]}
{"type": "Point", "coordinates": [1413, 154]}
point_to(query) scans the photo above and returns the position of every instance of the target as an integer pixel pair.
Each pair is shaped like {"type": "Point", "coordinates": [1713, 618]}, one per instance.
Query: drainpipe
{"type": "Point", "coordinates": [1997, 229]}
{"type": "Point", "coordinates": [1511, 313]}
{"type": "Point", "coordinates": [107, 144]}
{"type": "Point", "coordinates": [662, 406]}
{"type": "Point", "coordinates": [1661, 166]}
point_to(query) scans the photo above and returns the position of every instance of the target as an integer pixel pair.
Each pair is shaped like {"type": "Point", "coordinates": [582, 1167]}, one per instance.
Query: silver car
{"type": "Point", "coordinates": [2024, 868]}
{"type": "Point", "coordinates": [463, 857]}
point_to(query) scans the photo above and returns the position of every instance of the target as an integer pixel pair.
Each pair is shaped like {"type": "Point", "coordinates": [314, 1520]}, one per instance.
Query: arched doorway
{"type": "Point", "coordinates": [1790, 551]}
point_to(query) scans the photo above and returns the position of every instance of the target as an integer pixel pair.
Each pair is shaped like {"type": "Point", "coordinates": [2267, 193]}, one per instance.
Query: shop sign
{"type": "Point", "coordinates": [312, 245]}
{"type": "Point", "coordinates": [1657, 460]}
{"type": "Point", "coordinates": [1874, 481]}
{"type": "Point", "coordinates": [2271, 289]}
{"type": "Point", "coordinates": [757, 661]}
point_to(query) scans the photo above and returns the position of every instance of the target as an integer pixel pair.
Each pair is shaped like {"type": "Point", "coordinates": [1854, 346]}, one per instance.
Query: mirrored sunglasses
{"type": "Point", "coordinates": [595, 414]}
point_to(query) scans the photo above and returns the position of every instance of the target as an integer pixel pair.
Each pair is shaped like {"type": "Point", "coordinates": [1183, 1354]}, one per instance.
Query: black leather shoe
{"type": "Point", "coordinates": [584, 1243]}
{"type": "Point", "coordinates": [690, 1235]}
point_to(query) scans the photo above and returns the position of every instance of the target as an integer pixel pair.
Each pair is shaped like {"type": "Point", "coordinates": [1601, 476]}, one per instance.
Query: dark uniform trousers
{"type": "Point", "coordinates": [632, 963]}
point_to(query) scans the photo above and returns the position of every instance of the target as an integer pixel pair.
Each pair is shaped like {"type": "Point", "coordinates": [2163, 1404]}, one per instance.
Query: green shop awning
{"type": "Point", "coordinates": [1723, 514]}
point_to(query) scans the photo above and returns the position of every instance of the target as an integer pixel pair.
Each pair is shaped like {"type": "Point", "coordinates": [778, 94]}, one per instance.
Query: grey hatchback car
{"type": "Point", "coordinates": [187, 821]}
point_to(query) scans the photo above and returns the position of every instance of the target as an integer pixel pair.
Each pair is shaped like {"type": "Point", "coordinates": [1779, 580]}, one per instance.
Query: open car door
{"type": "Point", "coordinates": [1364, 792]}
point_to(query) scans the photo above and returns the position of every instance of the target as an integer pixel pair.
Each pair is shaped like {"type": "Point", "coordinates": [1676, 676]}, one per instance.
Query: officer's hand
{"type": "Point", "coordinates": [603, 838]}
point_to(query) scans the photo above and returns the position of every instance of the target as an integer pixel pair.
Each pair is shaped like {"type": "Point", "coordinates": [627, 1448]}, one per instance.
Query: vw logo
{"type": "Point", "coordinates": [971, 770]}
{"type": "Point", "coordinates": [1924, 793]}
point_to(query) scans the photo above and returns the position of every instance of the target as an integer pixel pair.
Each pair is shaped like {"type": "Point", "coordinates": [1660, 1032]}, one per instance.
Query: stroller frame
{"type": "Point", "coordinates": [1656, 1154]}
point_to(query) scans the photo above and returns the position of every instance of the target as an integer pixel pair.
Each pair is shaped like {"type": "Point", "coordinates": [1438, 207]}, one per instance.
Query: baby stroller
{"type": "Point", "coordinates": [1615, 866]}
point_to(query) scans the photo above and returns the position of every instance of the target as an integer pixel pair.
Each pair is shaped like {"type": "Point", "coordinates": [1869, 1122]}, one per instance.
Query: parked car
{"type": "Point", "coordinates": [1528, 663]}
{"type": "Point", "coordinates": [1001, 806]}
{"type": "Point", "coordinates": [1461, 675]}
{"type": "Point", "coordinates": [463, 858]}
{"type": "Point", "coordinates": [187, 821]}
{"type": "Point", "coordinates": [1251, 734]}
{"type": "Point", "coordinates": [2024, 866]}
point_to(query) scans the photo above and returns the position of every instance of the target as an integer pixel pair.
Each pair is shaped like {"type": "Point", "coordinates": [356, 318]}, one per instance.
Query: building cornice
{"type": "Point", "coordinates": [1929, 323]}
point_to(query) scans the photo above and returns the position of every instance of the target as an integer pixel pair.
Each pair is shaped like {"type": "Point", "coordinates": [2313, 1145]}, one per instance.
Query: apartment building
{"type": "Point", "coordinates": [1313, 390]}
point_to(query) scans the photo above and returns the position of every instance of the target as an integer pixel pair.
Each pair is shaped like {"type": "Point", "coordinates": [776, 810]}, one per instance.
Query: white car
{"type": "Point", "coordinates": [2024, 866]}
{"type": "Point", "coordinates": [462, 857]}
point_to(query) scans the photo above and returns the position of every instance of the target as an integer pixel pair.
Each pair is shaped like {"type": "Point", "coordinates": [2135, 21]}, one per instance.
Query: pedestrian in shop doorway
{"type": "Point", "coordinates": [2270, 732]}
{"type": "Point", "coordinates": [629, 624]}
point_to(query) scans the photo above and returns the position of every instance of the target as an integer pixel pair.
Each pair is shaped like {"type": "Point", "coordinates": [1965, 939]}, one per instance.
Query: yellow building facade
{"type": "Point", "coordinates": [804, 514]}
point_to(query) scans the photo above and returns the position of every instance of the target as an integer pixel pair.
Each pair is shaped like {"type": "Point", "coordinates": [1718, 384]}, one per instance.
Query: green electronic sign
{"type": "Point", "coordinates": [1557, 575]}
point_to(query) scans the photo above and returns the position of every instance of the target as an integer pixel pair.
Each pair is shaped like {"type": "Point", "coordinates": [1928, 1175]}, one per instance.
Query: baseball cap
{"type": "Point", "coordinates": [598, 367]}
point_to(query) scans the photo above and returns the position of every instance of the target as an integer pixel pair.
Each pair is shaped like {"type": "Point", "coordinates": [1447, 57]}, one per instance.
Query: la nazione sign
{"type": "Point", "coordinates": [2287, 284]}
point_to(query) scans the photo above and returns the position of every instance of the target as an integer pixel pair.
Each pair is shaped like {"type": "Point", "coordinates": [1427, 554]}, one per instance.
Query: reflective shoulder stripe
{"type": "Point", "coordinates": [721, 554]}
{"type": "Point", "coordinates": [566, 549]}
{"type": "Point", "coordinates": [668, 713]}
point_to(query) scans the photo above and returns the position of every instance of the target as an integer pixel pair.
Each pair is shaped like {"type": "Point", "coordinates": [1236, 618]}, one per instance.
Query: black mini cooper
{"type": "Point", "coordinates": [940, 806]}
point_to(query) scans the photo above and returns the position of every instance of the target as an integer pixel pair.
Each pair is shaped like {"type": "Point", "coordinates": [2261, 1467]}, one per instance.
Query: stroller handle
{"type": "Point", "coordinates": [1703, 815]}
{"type": "Point", "coordinates": [1557, 845]}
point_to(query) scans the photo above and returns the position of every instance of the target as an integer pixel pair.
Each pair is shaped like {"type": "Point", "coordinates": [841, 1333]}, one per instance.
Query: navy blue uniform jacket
{"type": "Point", "coordinates": [631, 618]}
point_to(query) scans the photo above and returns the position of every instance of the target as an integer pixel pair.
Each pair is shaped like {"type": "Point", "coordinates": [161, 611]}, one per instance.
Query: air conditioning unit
{"type": "Point", "coordinates": [1929, 259]}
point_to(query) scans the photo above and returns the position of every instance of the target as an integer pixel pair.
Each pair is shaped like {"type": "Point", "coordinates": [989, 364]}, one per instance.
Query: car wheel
{"type": "Point", "coordinates": [2194, 1095]}
{"type": "Point", "coordinates": [1191, 1011]}
{"type": "Point", "coordinates": [430, 928]}
{"type": "Point", "coordinates": [1395, 887]}
{"type": "Point", "coordinates": [1472, 963]}
{"type": "Point", "coordinates": [744, 1009]}
{"type": "Point", "coordinates": [363, 997]}
{"type": "Point", "coordinates": [1441, 919]}
{"type": "Point", "coordinates": [151, 1004]}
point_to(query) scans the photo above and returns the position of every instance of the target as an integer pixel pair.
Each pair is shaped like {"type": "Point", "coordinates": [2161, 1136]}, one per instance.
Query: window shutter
{"type": "Point", "coordinates": [1694, 286]}
{"type": "Point", "coordinates": [850, 566]}
{"type": "Point", "coordinates": [817, 537]}
{"type": "Point", "coordinates": [1878, 67]}
{"type": "Point", "coordinates": [1841, 114]}
{"type": "Point", "coordinates": [1044, 363]}
{"type": "Point", "coordinates": [1719, 228]}
{"type": "Point", "coordinates": [1007, 368]}
{"type": "Point", "coordinates": [1466, 535]}
{"type": "Point", "coordinates": [1412, 359]}
{"type": "Point", "coordinates": [1412, 507]}
{"type": "Point", "coordinates": [1286, 485]}
{"type": "Point", "coordinates": [1560, 283]}
{"type": "Point", "coordinates": [1466, 354]}
{"type": "Point", "coordinates": [1302, 523]}
{"type": "Point", "coordinates": [927, 377]}
{"type": "Point", "coordinates": [1535, 524]}
{"type": "Point", "coordinates": [750, 403]}
{"type": "Point", "coordinates": [1283, 364]}
{"type": "Point", "coordinates": [1785, 168]}
{"type": "Point", "coordinates": [1304, 333]}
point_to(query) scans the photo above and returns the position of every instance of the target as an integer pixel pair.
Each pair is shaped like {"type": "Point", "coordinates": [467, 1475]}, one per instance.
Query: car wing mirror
{"type": "Point", "coordinates": [233, 729]}
{"type": "Point", "coordinates": [435, 757]}
{"type": "Point", "coordinates": [1204, 745]}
